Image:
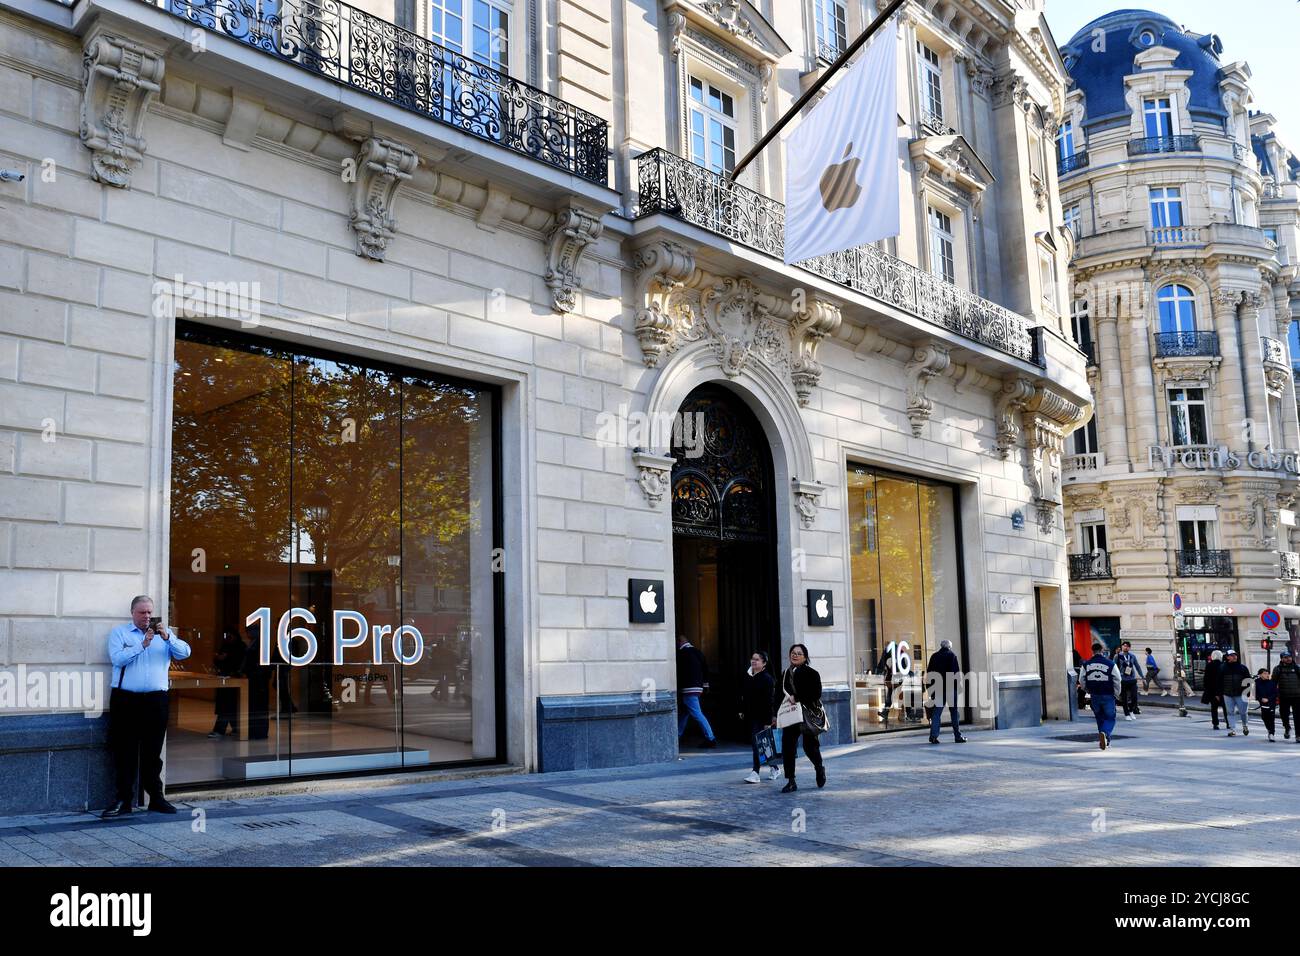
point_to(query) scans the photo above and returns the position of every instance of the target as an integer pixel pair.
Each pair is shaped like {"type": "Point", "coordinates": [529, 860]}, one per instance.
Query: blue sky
{"type": "Point", "coordinates": [1264, 33]}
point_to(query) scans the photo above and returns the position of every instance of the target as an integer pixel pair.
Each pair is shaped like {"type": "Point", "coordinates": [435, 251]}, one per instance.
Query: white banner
{"type": "Point", "coordinates": [841, 181]}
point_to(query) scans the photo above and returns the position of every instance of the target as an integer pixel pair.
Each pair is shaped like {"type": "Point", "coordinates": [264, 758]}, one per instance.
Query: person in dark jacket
{"type": "Point", "coordinates": [1212, 681]}
{"type": "Point", "coordinates": [1129, 672]}
{"type": "Point", "coordinates": [756, 707]}
{"type": "Point", "coordinates": [692, 679]}
{"type": "Point", "coordinates": [1101, 677]}
{"type": "Point", "coordinates": [1287, 677]}
{"type": "Point", "coordinates": [229, 662]}
{"type": "Point", "coordinates": [1236, 681]}
{"type": "Point", "coordinates": [942, 677]}
{"type": "Point", "coordinates": [802, 685]}
{"type": "Point", "coordinates": [1266, 694]}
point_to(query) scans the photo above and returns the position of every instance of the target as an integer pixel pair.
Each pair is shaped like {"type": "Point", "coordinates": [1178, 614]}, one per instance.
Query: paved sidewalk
{"type": "Point", "coordinates": [1169, 792]}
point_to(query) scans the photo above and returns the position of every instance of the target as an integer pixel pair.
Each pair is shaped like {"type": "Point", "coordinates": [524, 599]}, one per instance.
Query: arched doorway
{"type": "Point", "coordinates": [724, 545]}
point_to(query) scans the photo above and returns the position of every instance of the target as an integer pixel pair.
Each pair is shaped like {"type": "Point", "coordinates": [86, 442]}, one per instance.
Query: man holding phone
{"type": "Point", "coordinates": [141, 652]}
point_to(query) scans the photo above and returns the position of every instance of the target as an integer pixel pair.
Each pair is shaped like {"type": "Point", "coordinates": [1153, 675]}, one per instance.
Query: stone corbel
{"type": "Point", "coordinates": [807, 495]}
{"type": "Point", "coordinates": [818, 320]}
{"type": "Point", "coordinates": [927, 361]}
{"type": "Point", "coordinates": [119, 79]}
{"type": "Point", "coordinates": [661, 267]}
{"type": "Point", "coordinates": [575, 229]}
{"type": "Point", "coordinates": [1015, 394]}
{"type": "Point", "coordinates": [1048, 418]}
{"type": "Point", "coordinates": [654, 474]}
{"type": "Point", "coordinates": [382, 166]}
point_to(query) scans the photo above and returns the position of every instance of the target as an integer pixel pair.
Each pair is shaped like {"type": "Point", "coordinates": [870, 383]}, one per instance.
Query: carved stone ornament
{"type": "Point", "coordinates": [1048, 417]}
{"type": "Point", "coordinates": [727, 13]}
{"type": "Point", "coordinates": [1015, 393]}
{"type": "Point", "coordinates": [654, 475]}
{"type": "Point", "coordinates": [1201, 491]}
{"type": "Point", "coordinates": [1010, 88]}
{"type": "Point", "coordinates": [819, 320]}
{"type": "Point", "coordinates": [661, 268]}
{"type": "Point", "coordinates": [119, 79]}
{"type": "Point", "coordinates": [807, 494]}
{"type": "Point", "coordinates": [575, 229]}
{"type": "Point", "coordinates": [382, 165]}
{"type": "Point", "coordinates": [1276, 378]}
{"type": "Point", "coordinates": [927, 361]}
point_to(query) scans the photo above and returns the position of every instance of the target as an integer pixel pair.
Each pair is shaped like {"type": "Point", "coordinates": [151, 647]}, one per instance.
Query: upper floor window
{"type": "Point", "coordinates": [1197, 535]}
{"type": "Point", "coordinates": [1270, 233]}
{"type": "Point", "coordinates": [1158, 117]}
{"type": "Point", "coordinates": [1293, 340]}
{"type": "Point", "coordinates": [1147, 38]}
{"type": "Point", "coordinates": [1188, 421]}
{"type": "Point", "coordinates": [1081, 323]}
{"type": "Point", "coordinates": [1092, 535]}
{"type": "Point", "coordinates": [1074, 220]}
{"type": "Point", "coordinates": [931, 79]}
{"type": "Point", "coordinates": [1065, 140]}
{"type": "Point", "coordinates": [942, 261]}
{"type": "Point", "coordinates": [478, 28]}
{"type": "Point", "coordinates": [830, 18]}
{"type": "Point", "coordinates": [1166, 207]}
{"type": "Point", "coordinates": [1177, 309]}
{"type": "Point", "coordinates": [1047, 278]}
{"type": "Point", "coordinates": [713, 127]}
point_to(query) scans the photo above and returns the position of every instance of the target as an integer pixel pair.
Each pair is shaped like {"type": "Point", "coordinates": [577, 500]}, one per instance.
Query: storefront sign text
{"type": "Point", "coordinates": [285, 635]}
{"type": "Point", "coordinates": [1219, 459]}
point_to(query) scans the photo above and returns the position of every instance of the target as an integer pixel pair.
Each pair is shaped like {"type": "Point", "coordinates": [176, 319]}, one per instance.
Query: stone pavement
{"type": "Point", "coordinates": [1169, 792]}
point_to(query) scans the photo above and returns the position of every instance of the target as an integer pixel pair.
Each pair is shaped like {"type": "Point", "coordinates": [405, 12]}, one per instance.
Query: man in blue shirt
{"type": "Point", "coordinates": [1101, 677]}
{"type": "Point", "coordinates": [141, 652]}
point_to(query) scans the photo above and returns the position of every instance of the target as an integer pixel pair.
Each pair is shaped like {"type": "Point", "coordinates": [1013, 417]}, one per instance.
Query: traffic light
{"type": "Point", "coordinates": [1266, 644]}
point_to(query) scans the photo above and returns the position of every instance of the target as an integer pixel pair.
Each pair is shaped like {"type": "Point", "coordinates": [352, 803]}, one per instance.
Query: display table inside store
{"type": "Point", "coordinates": [191, 680]}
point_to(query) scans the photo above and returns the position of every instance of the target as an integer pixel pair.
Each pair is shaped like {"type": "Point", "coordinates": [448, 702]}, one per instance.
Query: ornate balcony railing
{"type": "Point", "coordinates": [1204, 564]}
{"type": "Point", "coordinates": [1181, 344]}
{"type": "Point", "coordinates": [679, 188]}
{"type": "Point", "coordinates": [1088, 461]}
{"type": "Point", "coordinates": [1164, 144]}
{"type": "Point", "coordinates": [1290, 565]}
{"type": "Point", "coordinates": [1174, 235]}
{"type": "Point", "coordinates": [354, 48]}
{"type": "Point", "coordinates": [828, 52]}
{"type": "Point", "coordinates": [1090, 567]}
{"type": "Point", "coordinates": [1068, 164]}
{"type": "Point", "coordinates": [1273, 350]}
{"type": "Point", "coordinates": [936, 124]}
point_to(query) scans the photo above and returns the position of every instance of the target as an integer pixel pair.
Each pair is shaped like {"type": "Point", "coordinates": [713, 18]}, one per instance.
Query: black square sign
{"type": "Point", "coordinates": [645, 601]}
{"type": "Point", "coordinates": [821, 608]}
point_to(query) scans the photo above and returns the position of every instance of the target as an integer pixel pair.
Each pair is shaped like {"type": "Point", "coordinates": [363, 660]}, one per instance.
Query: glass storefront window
{"type": "Point", "coordinates": [329, 484]}
{"type": "Point", "coordinates": [906, 591]}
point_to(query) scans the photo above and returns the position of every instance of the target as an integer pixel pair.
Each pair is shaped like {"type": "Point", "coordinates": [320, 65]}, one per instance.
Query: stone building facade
{"type": "Point", "coordinates": [1183, 208]}
{"type": "Point", "coordinates": [313, 321]}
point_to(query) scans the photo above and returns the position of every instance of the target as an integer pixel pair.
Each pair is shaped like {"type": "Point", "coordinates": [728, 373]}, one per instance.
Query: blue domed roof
{"type": "Point", "coordinates": [1099, 69]}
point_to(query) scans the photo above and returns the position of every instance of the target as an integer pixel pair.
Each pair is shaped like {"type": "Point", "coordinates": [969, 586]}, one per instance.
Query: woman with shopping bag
{"type": "Point", "coordinates": [801, 713]}
{"type": "Point", "coordinates": [757, 707]}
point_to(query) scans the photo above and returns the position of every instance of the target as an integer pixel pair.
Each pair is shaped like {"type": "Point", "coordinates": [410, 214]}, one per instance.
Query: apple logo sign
{"type": "Point", "coordinates": [643, 604]}
{"type": "Point", "coordinates": [839, 183]}
{"type": "Point", "coordinates": [821, 608]}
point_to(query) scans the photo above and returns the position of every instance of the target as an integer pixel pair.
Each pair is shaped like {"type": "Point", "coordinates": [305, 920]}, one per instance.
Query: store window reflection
{"type": "Point", "coordinates": [906, 594]}
{"type": "Point", "coordinates": [328, 484]}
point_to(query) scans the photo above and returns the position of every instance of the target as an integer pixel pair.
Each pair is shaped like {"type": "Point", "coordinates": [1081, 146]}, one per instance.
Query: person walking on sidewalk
{"type": "Point", "coordinates": [943, 674]}
{"type": "Point", "coordinates": [1236, 681]}
{"type": "Point", "coordinates": [1101, 677]}
{"type": "Point", "coordinates": [1266, 694]}
{"type": "Point", "coordinates": [756, 707]}
{"type": "Point", "coordinates": [1287, 677]}
{"type": "Point", "coordinates": [1153, 675]}
{"type": "Point", "coordinates": [802, 685]}
{"type": "Point", "coordinates": [1129, 672]}
{"type": "Point", "coordinates": [692, 679]}
{"type": "Point", "coordinates": [1212, 681]}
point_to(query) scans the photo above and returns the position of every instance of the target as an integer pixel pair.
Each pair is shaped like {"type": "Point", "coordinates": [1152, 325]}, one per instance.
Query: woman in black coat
{"type": "Point", "coordinates": [756, 705]}
{"type": "Point", "coordinates": [1213, 682]}
{"type": "Point", "coordinates": [803, 685]}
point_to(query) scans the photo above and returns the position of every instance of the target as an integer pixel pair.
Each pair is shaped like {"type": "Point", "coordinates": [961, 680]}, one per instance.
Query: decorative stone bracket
{"type": "Point", "coordinates": [119, 78]}
{"type": "Point", "coordinates": [654, 475]}
{"type": "Point", "coordinates": [807, 495]}
{"type": "Point", "coordinates": [382, 166]}
{"type": "Point", "coordinates": [927, 361]}
{"type": "Point", "coordinates": [1048, 418]}
{"type": "Point", "coordinates": [819, 319]}
{"type": "Point", "coordinates": [1015, 393]}
{"type": "Point", "coordinates": [661, 268]}
{"type": "Point", "coordinates": [575, 229]}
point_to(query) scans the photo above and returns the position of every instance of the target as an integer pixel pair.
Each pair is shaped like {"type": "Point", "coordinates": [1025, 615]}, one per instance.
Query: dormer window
{"type": "Point", "coordinates": [1158, 117]}
{"type": "Point", "coordinates": [1147, 38]}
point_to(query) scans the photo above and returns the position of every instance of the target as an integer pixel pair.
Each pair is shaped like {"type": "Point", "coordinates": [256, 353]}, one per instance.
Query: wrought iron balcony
{"type": "Point", "coordinates": [1090, 567]}
{"type": "Point", "coordinates": [1182, 344]}
{"type": "Point", "coordinates": [1290, 570]}
{"type": "Point", "coordinates": [1273, 351]}
{"type": "Point", "coordinates": [1174, 236]}
{"type": "Point", "coordinates": [676, 187]}
{"type": "Point", "coordinates": [828, 52]}
{"type": "Point", "coordinates": [1204, 564]}
{"type": "Point", "coordinates": [1068, 164]}
{"type": "Point", "coordinates": [366, 53]}
{"type": "Point", "coordinates": [935, 124]}
{"type": "Point", "coordinates": [1164, 144]}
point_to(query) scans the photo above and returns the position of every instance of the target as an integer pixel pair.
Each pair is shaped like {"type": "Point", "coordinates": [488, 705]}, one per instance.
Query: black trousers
{"type": "Point", "coordinates": [137, 726]}
{"type": "Point", "coordinates": [1217, 707]}
{"type": "Point", "coordinates": [790, 744]}
{"type": "Point", "coordinates": [1287, 706]}
{"type": "Point", "coordinates": [1270, 719]}
{"type": "Point", "coordinates": [1128, 696]}
{"type": "Point", "coordinates": [227, 701]}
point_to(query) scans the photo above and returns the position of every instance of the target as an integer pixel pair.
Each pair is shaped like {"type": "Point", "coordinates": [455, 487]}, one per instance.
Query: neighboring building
{"type": "Point", "coordinates": [1184, 210]}
{"type": "Point", "coordinates": [313, 312]}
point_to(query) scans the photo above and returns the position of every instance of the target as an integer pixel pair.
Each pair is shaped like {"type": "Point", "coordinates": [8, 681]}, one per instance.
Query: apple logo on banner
{"type": "Point", "coordinates": [821, 608]}
{"type": "Point", "coordinates": [839, 183]}
{"type": "Point", "coordinates": [644, 606]}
